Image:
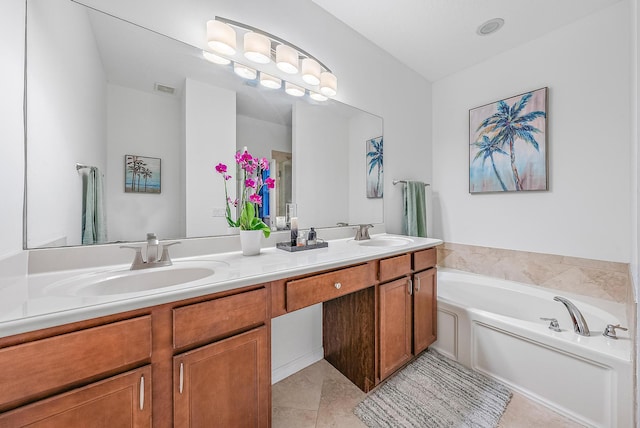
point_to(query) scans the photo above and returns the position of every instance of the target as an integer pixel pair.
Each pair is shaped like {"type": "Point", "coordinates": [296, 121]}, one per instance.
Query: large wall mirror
{"type": "Point", "coordinates": [100, 89]}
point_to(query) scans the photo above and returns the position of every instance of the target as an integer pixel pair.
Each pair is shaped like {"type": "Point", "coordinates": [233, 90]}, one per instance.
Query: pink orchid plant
{"type": "Point", "coordinates": [252, 169]}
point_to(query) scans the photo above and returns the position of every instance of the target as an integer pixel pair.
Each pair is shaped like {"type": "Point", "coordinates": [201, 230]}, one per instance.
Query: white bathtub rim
{"type": "Point", "coordinates": [595, 347]}
{"type": "Point", "coordinates": [617, 309]}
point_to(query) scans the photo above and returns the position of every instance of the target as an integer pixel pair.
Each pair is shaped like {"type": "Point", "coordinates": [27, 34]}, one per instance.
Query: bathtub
{"type": "Point", "coordinates": [493, 326]}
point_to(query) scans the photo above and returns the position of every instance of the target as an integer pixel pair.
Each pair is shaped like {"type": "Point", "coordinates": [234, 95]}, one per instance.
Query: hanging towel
{"type": "Point", "coordinates": [94, 230]}
{"type": "Point", "coordinates": [414, 220]}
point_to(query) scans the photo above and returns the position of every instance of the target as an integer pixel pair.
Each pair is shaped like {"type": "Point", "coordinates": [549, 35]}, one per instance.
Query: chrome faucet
{"type": "Point", "coordinates": [362, 232]}
{"type": "Point", "coordinates": [153, 246]}
{"type": "Point", "coordinates": [579, 323]}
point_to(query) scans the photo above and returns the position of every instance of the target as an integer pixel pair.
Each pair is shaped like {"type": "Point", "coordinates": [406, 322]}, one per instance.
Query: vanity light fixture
{"type": "Point", "coordinates": [311, 71]}
{"type": "Point", "coordinates": [257, 48]}
{"type": "Point", "coordinates": [261, 48]}
{"type": "Point", "coordinates": [316, 96]}
{"type": "Point", "coordinates": [244, 71]}
{"type": "Point", "coordinates": [269, 81]}
{"type": "Point", "coordinates": [221, 37]}
{"type": "Point", "coordinates": [293, 90]}
{"type": "Point", "coordinates": [287, 59]}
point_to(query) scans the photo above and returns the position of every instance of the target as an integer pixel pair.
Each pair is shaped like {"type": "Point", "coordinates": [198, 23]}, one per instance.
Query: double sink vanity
{"type": "Point", "coordinates": [190, 344]}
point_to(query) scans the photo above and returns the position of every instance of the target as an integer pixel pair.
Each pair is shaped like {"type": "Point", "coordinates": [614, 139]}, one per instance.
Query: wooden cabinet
{"type": "Point", "coordinates": [395, 325]}
{"type": "Point", "coordinates": [424, 309]}
{"type": "Point", "coordinates": [120, 401]}
{"type": "Point", "coordinates": [407, 309]}
{"type": "Point", "coordinates": [44, 367]}
{"type": "Point", "coordinates": [225, 384]}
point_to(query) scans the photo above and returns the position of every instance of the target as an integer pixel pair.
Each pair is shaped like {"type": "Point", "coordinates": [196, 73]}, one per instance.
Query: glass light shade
{"type": "Point", "coordinates": [269, 81]}
{"type": "Point", "coordinates": [293, 90]}
{"type": "Point", "coordinates": [221, 37]}
{"type": "Point", "coordinates": [257, 48]}
{"type": "Point", "coordinates": [244, 71]}
{"type": "Point", "coordinates": [287, 59]}
{"type": "Point", "coordinates": [317, 96]}
{"type": "Point", "coordinates": [215, 58]}
{"type": "Point", "coordinates": [328, 84]}
{"type": "Point", "coordinates": [311, 71]}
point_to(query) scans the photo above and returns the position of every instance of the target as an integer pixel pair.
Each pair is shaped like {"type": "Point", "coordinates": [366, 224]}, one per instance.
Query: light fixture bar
{"type": "Point", "coordinates": [272, 37]}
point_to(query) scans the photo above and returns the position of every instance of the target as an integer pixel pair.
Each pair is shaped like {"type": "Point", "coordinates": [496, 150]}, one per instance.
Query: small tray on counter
{"type": "Point", "coordinates": [294, 248]}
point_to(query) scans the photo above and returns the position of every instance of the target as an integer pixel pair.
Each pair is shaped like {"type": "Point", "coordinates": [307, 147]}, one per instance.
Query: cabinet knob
{"type": "Point", "coordinates": [337, 285]}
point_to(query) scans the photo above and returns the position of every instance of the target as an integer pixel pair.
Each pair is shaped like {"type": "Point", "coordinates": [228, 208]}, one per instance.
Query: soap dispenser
{"type": "Point", "coordinates": [311, 237]}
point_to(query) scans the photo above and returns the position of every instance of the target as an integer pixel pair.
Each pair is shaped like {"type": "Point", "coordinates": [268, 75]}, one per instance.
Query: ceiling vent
{"type": "Point", "coordinates": [164, 89]}
{"type": "Point", "coordinates": [490, 27]}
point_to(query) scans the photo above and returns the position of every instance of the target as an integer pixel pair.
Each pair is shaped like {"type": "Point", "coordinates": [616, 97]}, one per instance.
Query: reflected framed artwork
{"type": "Point", "coordinates": [375, 188]}
{"type": "Point", "coordinates": [142, 174]}
{"type": "Point", "coordinates": [508, 144]}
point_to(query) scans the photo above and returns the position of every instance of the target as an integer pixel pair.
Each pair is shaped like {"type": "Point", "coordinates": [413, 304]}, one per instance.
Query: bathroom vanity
{"type": "Point", "coordinates": [191, 361]}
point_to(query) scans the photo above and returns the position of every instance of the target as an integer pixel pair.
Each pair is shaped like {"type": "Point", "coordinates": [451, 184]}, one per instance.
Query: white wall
{"type": "Point", "coordinates": [586, 212]}
{"type": "Point", "coordinates": [362, 127]}
{"type": "Point", "coordinates": [260, 137]}
{"type": "Point", "coordinates": [210, 138]}
{"type": "Point", "coordinates": [55, 187]}
{"type": "Point", "coordinates": [11, 125]}
{"type": "Point", "coordinates": [320, 165]}
{"type": "Point", "coordinates": [144, 124]}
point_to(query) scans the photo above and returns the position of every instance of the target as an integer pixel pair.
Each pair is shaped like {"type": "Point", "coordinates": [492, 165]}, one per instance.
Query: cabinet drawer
{"type": "Point", "coordinates": [320, 288]}
{"type": "Point", "coordinates": [214, 319]}
{"type": "Point", "coordinates": [395, 267]}
{"type": "Point", "coordinates": [424, 259]}
{"type": "Point", "coordinates": [36, 369]}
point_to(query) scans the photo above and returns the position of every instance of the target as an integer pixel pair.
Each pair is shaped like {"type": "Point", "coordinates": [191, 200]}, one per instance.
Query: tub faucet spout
{"type": "Point", "coordinates": [579, 323]}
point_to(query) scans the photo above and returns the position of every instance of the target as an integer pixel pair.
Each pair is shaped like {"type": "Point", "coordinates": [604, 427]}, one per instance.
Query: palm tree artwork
{"type": "Point", "coordinates": [375, 168]}
{"type": "Point", "coordinates": [511, 135]}
{"type": "Point", "coordinates": [142, 174]}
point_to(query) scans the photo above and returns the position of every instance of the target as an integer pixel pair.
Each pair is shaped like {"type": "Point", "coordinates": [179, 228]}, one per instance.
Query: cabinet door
{"type": "Point", "coordinates": [395, 325]}
{"type": "Point", "coordinates": [225, 384]}
{"type": "Point", "coordinates": [121, 401]}
{"type": "Point", "coordinates": [424, 309]}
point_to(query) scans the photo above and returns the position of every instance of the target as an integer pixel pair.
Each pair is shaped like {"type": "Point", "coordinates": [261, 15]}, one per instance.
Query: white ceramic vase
{"type": "Point", "coordinates": [250, 242]}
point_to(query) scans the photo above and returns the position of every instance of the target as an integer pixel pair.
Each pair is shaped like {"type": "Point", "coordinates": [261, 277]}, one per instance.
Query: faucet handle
{"type": "Point", "coordinates": [165, 258]}
{"type": "Point", "coordinates": [610, 330]}
{"type": "Point", "coordinates": [553, 323]}
{"type": "Point", "coordinates": [137, 259]}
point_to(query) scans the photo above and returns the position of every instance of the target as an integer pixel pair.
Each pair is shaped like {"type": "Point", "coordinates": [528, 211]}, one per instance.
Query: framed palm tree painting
{"type": "Point", "coordinates": [141, 174]}
{"type": "Point", "coordinates": [508, 144]}
{"type": "Point", "coordinates": [374, 168]}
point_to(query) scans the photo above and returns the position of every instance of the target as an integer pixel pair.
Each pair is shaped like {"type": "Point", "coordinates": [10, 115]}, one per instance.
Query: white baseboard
{"type": "Point", "coordinates": [279, 373]}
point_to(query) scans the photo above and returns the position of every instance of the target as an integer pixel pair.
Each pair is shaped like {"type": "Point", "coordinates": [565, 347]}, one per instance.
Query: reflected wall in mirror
{"type": "Point", "coordinates": [99, 88]}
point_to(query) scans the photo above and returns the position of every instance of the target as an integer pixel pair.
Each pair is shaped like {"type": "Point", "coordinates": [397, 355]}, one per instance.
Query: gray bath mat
{"type": "Point", "coordinates": [434, 391]}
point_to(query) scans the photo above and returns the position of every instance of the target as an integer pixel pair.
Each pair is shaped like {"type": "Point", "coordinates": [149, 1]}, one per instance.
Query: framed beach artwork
{"type": "Point", "coordinates": [141, 174]}
{"type": "Point", "coordinates": [374, 168]}
{"type": "Point", "coordinates": [508, 144]}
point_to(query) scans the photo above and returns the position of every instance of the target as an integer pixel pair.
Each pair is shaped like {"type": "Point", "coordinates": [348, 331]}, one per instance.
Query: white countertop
{"type": "Point", "coordinates": [26, 303]}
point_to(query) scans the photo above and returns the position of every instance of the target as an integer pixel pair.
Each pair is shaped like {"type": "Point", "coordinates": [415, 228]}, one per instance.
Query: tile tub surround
{"type": "Point", "coordinates": [593, 278]}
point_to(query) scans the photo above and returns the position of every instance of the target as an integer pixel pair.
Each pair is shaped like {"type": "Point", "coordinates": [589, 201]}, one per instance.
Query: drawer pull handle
{"type": "Point", "coordinates": [410, 286]}
{"type": "Point", "coordinates": [181, 377]}
{"type": "Point", "coordinates": [417, 284]}
{"type": "Point", "coordinates": [337, 285]}
{"type": "Point", "coordinates": [141, 392]}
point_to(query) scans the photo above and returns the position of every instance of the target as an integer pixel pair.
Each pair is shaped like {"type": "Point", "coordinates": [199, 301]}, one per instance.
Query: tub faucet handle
{"type": "Point", "coordinates": [553, 323]}
{"type": "Point", "coordinates": [610, 330]}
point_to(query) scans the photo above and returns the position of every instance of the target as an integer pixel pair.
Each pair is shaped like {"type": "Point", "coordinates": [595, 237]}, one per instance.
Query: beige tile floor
{"type": "Point", "coordinates": [320, 396]}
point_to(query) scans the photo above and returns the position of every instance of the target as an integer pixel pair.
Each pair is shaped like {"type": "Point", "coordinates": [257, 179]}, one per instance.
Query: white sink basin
{"type": "Point", "coordinates": [384, 241]}
{"type": "Point", "coordinates": [128, 281]}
